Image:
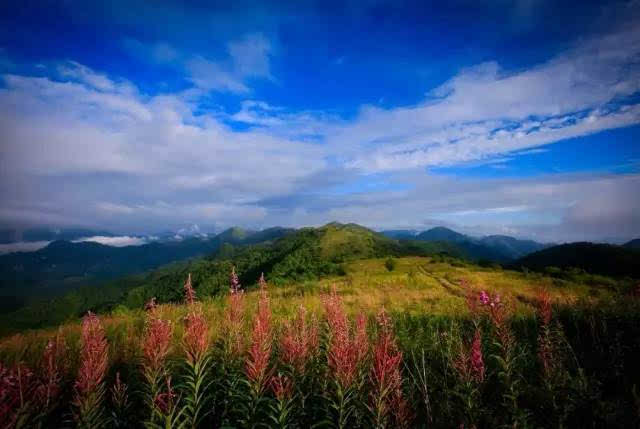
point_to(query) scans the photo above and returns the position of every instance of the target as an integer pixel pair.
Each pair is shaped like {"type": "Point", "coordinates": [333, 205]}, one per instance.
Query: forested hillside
{"type": "Point", "coordinates": [594, 258]}
{"type": "Point", "coordinates": [65, 265]}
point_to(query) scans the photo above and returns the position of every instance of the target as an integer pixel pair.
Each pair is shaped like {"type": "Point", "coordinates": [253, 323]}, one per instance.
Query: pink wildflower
{"type": "Point", "coordinates": [119, 395]}
{"type": "Point", "coordinates": [94, 356]}
{"type": "Point", "coordinates": [298, 341]}
{"type": "Point", "coordinates": [52, 371]}
{"type": "Point", "coordinates": [261, 342]}
{"type": "Point", "coordinates": [234, 317]}
{"type": "Point", "coordinates": [470, 362]}
{"type": "Point", "coordinates": [189, 292]}
{"type": "Point", "coordinates": [385, 372]}
{"type": "Point", "coordinates": [196, 336]}
{"type": "Point", "coordinates": [346, 350]}
{"type": "Point", "coordinates": [484, 298]}
{"type": "Point", "coordinates": [156, 343]}
{"type": "Point", "coordinates": [16, 386]}
{"type": "Point", "coordinates": [545, 343]}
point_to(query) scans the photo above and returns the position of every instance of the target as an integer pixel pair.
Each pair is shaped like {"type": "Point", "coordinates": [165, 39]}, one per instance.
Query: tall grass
{"type": "Point", "coordinates": [233, 363]}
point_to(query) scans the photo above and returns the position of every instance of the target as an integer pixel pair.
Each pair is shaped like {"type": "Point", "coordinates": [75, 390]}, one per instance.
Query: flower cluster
{"type": "Point", "coordinates": [94, 356]}
{"type": "Point", "coordinates": [281, 386]}
{"type": "Point", "coordinates": [498, 313]}
{"type": "Point", "coordinates": [470, 361]}
{"type": "Point", "coordinates": [189, 292]}
{"type": "Point", "coordinates": [156, 343]}
{"type": "Point", "coordinates": [196, 336]}
{"type": "Point", "coordinates": [347, 349]}
{"type": "Point", "coordinates": [261, 341]}
{"type": "Point", "coordinates": [16, 386]}
{"type": "Point", "coordinates": [386, 377]}
{"type": "Point", "coordinates": [52, 369]}
{"type": "Point", "coordinates": [234, 317]}
{"type": "Point", "coordinates": [299, 341]}
{"type": "Point", "coordinates": [546, 347]}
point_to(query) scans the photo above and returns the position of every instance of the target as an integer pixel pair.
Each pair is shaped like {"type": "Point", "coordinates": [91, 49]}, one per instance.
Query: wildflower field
{"type": "Point", "coordinates": [413, 343]}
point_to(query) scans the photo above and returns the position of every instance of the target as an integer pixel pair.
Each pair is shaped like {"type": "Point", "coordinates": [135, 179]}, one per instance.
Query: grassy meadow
{"type": "Point", "coordinates": [394, 342]}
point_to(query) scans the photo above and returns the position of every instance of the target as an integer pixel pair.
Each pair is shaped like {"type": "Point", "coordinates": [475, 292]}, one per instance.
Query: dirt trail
{"type": "Point", "coordinates": [450, 287]}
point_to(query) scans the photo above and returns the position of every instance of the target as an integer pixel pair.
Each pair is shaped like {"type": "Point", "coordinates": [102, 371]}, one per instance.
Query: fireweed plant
{"type": "Point", "coordinates": [258, 369]}
{"type": "Point", "coordinates": [388, 405]}
{"type": "Point", "coordinates": [347, 352]}
{"type": "Point", "coordinates": [27, 398]}
{"type": "Point", "coordinates": [488, 368]}
{"type": "Point", "coordinates": [89, 388]}
{"type": "Point", "coordinates": [197, 359]}
{"type": "Point", "coordinates": [155, 348]}
{"type": "Point", "coordinates": [299, 352]}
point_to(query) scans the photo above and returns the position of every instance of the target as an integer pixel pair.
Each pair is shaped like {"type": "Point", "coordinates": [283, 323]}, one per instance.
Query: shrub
{"type": "Point", "coordinates": [390, 264]}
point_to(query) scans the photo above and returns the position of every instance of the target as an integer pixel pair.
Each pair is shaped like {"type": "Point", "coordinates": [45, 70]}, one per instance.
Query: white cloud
{"type": "Point", "coordinates": [485, 111]}
{"type": "Point", "coordinates": [83, 146]}
{"type": "Point", "coordinates": [249, 57]}
{"type": "Point", "coordinates": [120, 241]}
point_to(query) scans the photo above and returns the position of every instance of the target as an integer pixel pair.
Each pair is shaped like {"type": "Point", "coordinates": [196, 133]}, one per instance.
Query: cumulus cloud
{"type": "Point", "coordinates": [84, 148]}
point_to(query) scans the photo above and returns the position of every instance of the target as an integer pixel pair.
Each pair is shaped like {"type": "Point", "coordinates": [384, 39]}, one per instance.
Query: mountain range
{"type": "Point", "coordinates": [66, 279]}
{"type": "Point", "coordinates": [496, 248]}
{"type": "Point", "coordinates": [63, 265]}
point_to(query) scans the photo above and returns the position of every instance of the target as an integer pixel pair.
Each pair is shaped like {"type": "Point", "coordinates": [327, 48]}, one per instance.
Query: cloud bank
{"type": "Point", "coordinates": [82, 147]}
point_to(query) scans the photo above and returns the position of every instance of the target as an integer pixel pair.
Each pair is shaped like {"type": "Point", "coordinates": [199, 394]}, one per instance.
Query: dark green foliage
{"type": "Point", "coordinates": [495, 248]}
{"type": "Point", "coordinates": [307, 254]}
{"type": "Point", "coordinates": [62, 265]}
{"type": "Point", "coordinates": [603, 259]}
{"type": "Point", "coordinates": [595, 383]}
{"type": "Point", "coordinates": [390, 264]}
{"type": "Point", "coordinates": [633, 244]}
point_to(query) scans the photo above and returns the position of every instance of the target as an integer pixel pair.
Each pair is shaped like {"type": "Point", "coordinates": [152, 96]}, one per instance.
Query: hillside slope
{"type": "Point", "coordinates": [63, 265]}
{"type": "Point", "coordinates": [604, 259]}
{"type": "Point", "coordinates": [297, 256]}
{"type": "Point", "coordinates": [496, 248]}
{"type": "Point", "coordinates": [633, 244]}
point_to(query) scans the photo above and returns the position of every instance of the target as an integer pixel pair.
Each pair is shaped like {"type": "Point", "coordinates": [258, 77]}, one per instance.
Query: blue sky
{"type": "Point", "coordinates": [490, 117]}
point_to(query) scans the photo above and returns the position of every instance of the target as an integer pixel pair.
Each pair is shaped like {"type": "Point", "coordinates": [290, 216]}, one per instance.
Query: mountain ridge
{"type": "Point", "coordinates": [496, 248]}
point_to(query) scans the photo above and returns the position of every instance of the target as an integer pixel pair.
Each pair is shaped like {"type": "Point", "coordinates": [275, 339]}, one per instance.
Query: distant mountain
{"type": "Point", "coordinates": [498, 248]}
{"type": "Point", "coordinates": [512, 247]}
{"type": "Point", "coordinates": [284, 256]}
{"type": "Point", "coordinates": [63, 264]}
{"type": "Point", "coordinates": [594, 258]}
{"type": "Point", "coordinates": [400, 234]}
{"type": "Point", "coordinates": [633, 244]}
{"type": "Point", "coordinates": [441, 233]}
